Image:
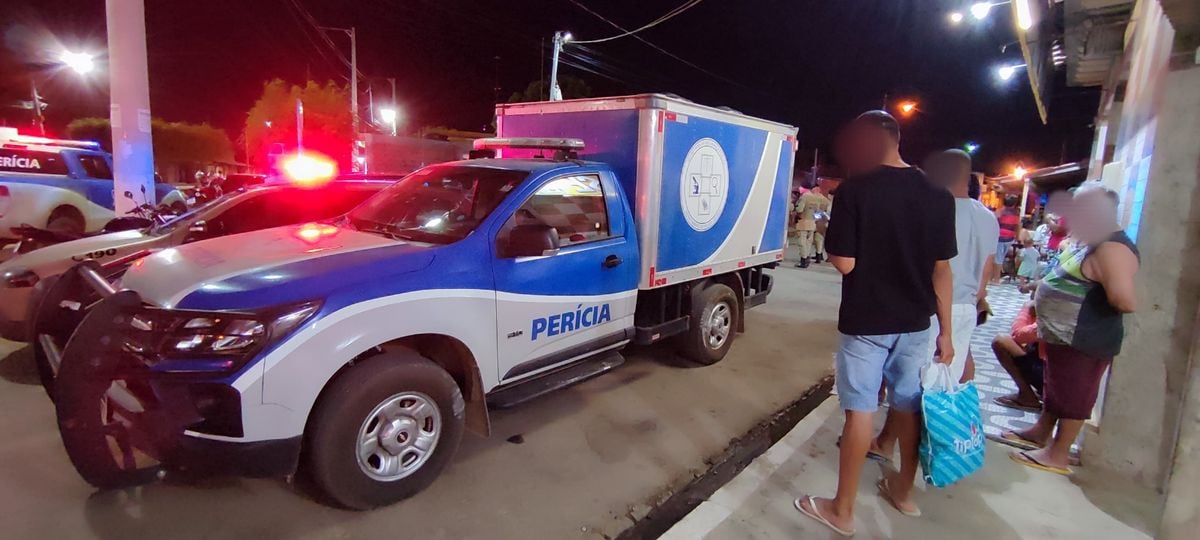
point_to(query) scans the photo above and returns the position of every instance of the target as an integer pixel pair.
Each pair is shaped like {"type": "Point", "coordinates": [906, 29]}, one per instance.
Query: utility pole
{"type": "Point", "coordinates": [559, 39]}
{"type": "Point", "coordinates": [129, 88]}
{"type": "Point", "coordinates": [39, 120]}
{"type": "Point", "coordinates": [541, 68]}
{"type": "Point", "coordinates": [299, 126]}
{"type": "Point", "coordinates": [353, 88]}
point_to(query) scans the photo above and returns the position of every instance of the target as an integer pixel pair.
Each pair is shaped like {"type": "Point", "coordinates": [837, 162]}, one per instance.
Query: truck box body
{"type": "Point", "coordinates": [710, 187]}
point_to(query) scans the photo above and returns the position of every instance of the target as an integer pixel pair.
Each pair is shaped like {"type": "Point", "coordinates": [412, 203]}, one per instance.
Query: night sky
{"type": "Point", "coordinates": [811, 63]}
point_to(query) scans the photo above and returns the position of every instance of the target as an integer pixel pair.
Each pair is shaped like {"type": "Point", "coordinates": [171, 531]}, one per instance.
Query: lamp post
{"type": "Point", "coordinates": [560, 38]}
{"type": "Point", "coordinates": [1005, 73]}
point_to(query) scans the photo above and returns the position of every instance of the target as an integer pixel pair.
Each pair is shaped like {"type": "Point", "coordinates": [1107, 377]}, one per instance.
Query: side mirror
{"type": "Point", "coordinates": [129, 195]}
{"type": "Point", "coordinates": [531, 241]}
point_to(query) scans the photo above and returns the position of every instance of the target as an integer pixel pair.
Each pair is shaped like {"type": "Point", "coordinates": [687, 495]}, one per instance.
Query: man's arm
{"type": "Point", "coordinates": [943, 286]}
{"type": "Point", "coordinates": [845, 265]}
{"type": "Point", "coordinates": [1114, 266]}
{"type": "Point", "coordinates": [841, 236]}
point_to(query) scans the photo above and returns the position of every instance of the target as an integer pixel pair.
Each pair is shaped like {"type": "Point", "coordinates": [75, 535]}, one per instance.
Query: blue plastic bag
{"type": "Point", "coordinates": [952, 442]}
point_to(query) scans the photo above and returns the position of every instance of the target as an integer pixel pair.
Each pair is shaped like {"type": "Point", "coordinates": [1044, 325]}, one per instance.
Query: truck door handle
{"type": "Point", "coordinates": [612, 261]}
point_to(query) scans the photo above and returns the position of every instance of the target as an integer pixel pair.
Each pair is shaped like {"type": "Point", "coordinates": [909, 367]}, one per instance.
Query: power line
{"type": "Point", "coordinates": [680, 9]}
{"type": "Point", "coordinates": [656, 47]}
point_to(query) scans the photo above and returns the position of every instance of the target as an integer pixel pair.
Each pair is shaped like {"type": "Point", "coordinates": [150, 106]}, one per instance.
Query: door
{"type": "Point", "coordinates": [574, 300]}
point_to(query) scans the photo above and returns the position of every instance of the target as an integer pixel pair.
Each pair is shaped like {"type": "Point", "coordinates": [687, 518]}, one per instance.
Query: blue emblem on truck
{"type": "Point", "coordinates": [569, 321]}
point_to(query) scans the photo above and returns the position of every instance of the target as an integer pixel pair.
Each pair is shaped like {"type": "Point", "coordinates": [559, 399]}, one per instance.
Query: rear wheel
{"type": "Point", "coordinates": [67, 220]}
{"type": "Point", "coordinates": [384, 430]}
{"type": "Point", "coordinates": [714, 321]}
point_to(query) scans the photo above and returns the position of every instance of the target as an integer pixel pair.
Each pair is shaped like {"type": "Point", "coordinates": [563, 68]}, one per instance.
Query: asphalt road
{"type": "Point", "coordinates": [583, 462]}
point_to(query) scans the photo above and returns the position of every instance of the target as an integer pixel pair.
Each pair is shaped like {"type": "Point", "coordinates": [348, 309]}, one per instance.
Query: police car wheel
{"type": "Point", "coordinates": [63, 221]}
{"type": "Point", "coordinates": [713, 325]}
{"type": "Point", "coordinates": [384, 430]}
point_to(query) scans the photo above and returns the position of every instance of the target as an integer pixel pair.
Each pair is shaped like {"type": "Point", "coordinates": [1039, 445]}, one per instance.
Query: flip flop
{"type": "Point", "coordinates": [871, 455]}
{"type": "Point", "coordinates": [1008, 401]}
{"type": "Point", "coordinates": [816, 514]}
{"type": "Point", "coordinates": [886, 492]}
{"type": "Point", "coordinates": [1025, 459]}
{"type": "Point", "coordinates": [1015, 440]}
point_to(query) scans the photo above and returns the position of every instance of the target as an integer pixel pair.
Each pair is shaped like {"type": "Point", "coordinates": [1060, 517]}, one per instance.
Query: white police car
{"type": "Point", "coordinates": [61, 185]}
{"type": "Point", "coordinates": [368, 344]}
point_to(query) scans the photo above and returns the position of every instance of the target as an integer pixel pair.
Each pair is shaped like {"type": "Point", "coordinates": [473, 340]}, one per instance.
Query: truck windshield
{"type": "Point", "coordinates": [438, 205]}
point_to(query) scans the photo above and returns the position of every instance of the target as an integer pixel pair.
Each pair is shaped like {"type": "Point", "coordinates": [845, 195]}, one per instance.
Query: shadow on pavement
{"type": "Point", "coordinates": [18, 367]}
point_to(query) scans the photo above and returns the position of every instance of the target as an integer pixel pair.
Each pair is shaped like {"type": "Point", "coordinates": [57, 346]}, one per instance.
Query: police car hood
{"type": "Point", "coordinates": [56, 258]}
{"type": "Point", "coordinates": [268, 267]}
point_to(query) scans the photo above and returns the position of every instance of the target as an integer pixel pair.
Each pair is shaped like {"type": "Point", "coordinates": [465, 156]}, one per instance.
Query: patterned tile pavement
{"type": "Point", "coordinates": [991, 379]}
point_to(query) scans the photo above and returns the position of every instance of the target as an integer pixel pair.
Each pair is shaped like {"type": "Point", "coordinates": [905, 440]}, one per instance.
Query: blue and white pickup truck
{"type": "Point", "coordinates": [62, 185]}
{"type": "Point", "coordinates": [369, 343]}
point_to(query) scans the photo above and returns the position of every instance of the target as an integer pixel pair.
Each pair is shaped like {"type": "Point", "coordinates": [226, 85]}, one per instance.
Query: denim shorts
{"type": "Point", "coordinates": [865, 363]}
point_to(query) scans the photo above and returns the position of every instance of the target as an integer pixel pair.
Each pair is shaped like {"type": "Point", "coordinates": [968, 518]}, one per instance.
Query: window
{"type": "Point", "coordinates": [29, 161]}
{"type": "Point", "coordinates": [95, 167]}
{"type": "Point", "coordinates": [573, 205]}
{"type": "Point", "coordinates": [440, 204]}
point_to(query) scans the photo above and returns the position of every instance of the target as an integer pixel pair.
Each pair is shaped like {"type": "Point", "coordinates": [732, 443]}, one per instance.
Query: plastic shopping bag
{"type": "Point", "coordinates": [952, 442]}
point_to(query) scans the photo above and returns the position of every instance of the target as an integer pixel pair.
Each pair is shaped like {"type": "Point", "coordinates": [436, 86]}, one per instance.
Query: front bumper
{"type": "Point", "coordinates": [125, 421]}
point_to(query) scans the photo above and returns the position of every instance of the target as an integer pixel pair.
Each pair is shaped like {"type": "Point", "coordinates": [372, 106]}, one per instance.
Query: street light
{"type": "Point", "coordinates": [955, 17]}
{"type": "Point", "coordinates": [560, 39]}
{"type": "Point", "coordinates": [1024, 15]}
{"type": "Point", "coordinates": [908, 107]}
{"type": "Point", "coordinates": [389, 116]}
{"type": "Point", "coordinates": [971, 147]}
{"type": "Point", "coordinates": [81, 62]}
{"type": "Point", "coordinates": [1006, 72]}
{"type": "Point", "coordinates": [980, 10]}
{"type": "Point", "coordinates": [1019, 172]}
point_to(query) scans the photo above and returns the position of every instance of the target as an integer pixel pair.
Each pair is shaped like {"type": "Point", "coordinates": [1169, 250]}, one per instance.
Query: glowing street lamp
{"type": "Point", "coordinates": [971, 147]}
{"type": "Point", "coordinates": [980, 10]}
{"type": "Point", "coordinates": [908, 107]}
{"type": "Point", "coordinates": [1024, 15]}
{"type": "Point", "coordinates": [560, 39]}
{"type": "Point", "coordinates": [390, 116]}
{"type": "Point", "coordinates": [1006, 72]}
{"type": "Point", "coordinates": [80, 62]}
{"type": "Point", "coordinates": [1019, 172]}
{"type": "Point", "coordinates": [956, 17]}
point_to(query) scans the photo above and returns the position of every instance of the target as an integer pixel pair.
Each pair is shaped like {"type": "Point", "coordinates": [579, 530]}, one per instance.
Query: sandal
{"type": "Point", "coordinates": [1027, 460]}
{"type": "Point", "coordinates": [1012, 403]}
{"type": "Point", "coordinates": [885, 491]}
{"type": "Point", "coordinates": [815, 513]}
{"type": "Point", "coordinates": [1015, 440]}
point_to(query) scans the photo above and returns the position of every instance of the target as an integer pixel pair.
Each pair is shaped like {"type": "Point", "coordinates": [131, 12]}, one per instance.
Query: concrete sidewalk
{"type": "Point", "coordinates": [1003, 500]}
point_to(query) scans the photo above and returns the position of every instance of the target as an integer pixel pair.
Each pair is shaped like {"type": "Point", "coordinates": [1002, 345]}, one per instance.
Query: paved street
{"type": "Point", "coordinates": [581, 462]}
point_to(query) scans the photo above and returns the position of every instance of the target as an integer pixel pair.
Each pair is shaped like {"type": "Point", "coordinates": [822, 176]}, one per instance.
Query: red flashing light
{"type": "Point", "coordinates": [308, 169]}
{"type": "Point", "coordinates": [313, 232]}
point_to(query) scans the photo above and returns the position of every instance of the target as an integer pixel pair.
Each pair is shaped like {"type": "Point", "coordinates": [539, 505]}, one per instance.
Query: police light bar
{"type": "Point", "coordinates": [536, 143]}
{"type": "Point", "coordinates": [12, 139]}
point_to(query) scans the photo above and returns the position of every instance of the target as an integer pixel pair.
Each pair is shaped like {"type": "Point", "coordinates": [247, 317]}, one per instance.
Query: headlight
{"type": "Point", "coordinates": [228, 339]}
{"type": "Point", "coordinates": [18, 278]}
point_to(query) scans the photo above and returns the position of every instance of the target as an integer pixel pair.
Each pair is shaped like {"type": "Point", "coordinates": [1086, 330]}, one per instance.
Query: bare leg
{"type": "Point", "coordinates": [1006, 349]}
{"type": "Point", "coordinates": [1058, 454]}
{"type": "Point", "coordinates": [907, 428]}
{"type": "Point", "coordinates": [1043, 429]}
{"type": "Point", "coordinates": [885, 443]}
{"type": "Point", "coordinates": [856, 438]}
{"type": "Point", "coordinates": [968, 370]}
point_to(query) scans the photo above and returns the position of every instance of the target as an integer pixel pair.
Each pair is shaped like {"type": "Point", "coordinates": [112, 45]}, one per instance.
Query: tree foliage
{"type": "Point", "coordinates": [175, 143]}
{"type": "Point", "coordinates": [328, 127]}
{"type": "Point", "coordinates": [572, 88]}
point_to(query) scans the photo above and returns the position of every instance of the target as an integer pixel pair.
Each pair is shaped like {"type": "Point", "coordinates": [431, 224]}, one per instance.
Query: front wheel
{"type": "Point", "coordinates": [714, 322]}
{"type": "Point", "coordinates": [384, 430]}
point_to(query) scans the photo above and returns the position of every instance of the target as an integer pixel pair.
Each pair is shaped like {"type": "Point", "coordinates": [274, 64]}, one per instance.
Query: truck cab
{"type": "Point", "coordinates": [371, 342]}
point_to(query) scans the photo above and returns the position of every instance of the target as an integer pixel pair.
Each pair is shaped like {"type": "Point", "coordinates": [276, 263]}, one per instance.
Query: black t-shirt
{"type": "Point", "coordinates": [896, 225]}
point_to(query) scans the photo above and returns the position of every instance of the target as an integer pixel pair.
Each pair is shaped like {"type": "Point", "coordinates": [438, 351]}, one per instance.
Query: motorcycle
{"type": "Point", "coordinates": [142, 216]}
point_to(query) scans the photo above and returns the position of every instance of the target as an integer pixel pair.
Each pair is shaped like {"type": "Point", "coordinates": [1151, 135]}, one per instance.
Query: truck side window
{"type": "Point", "coordinates": [95, 167]}
{"type": "Point", "coordinates": [19, 160]}
{"type": "Point", "coordinates": [574, 205]}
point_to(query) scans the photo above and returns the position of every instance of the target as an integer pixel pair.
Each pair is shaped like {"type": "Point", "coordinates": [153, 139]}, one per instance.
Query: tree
{"type": "Point", "coordinates": [572, 88]}
{"type": "Point", "coordinates": [328, 127]}
{"type": "Point", "coordinates": [175, 143]}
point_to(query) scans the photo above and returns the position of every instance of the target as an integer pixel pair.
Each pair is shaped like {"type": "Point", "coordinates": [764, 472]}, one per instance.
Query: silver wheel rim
{"type": "Point", "coordinates": [716, 328]}
{"type": "Point", "coordinates": [399, 436]}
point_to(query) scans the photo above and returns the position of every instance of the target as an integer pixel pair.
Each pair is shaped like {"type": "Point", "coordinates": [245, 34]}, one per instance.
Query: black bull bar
{"type": "Point", "coordinates": [121, 423]}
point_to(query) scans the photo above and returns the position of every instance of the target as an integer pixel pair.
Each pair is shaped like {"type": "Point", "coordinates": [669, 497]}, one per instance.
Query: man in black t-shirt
{"type": "Point", "coordinates": [891, 235]}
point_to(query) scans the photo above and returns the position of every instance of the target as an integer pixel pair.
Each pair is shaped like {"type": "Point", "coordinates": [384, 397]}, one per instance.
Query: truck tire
{"type": "Point", "coordinates": [65, 219]}
{"type": "Point", "coordinates": [714, 322]}
{"type": "Point", "coordinates": [403, 411]}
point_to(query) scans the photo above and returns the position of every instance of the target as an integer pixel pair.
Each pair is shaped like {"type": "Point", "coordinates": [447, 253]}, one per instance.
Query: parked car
{"type": "Point", "coordinates": [60, 185]}
{"type": "Point", "coordinates": [249, 210]}
{"type": "Point", "coordinates": [372, 342]}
